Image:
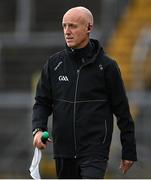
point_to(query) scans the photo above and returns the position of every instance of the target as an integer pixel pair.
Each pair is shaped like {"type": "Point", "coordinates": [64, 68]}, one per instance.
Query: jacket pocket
{"type": "Point", "coordinates": [105, 131]}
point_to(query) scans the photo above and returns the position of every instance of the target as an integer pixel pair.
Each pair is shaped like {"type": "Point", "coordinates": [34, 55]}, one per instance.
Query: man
{"type": "Point", "coordinates": [82, 88]}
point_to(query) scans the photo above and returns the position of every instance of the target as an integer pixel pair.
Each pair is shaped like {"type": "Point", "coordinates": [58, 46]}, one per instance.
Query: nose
{"type": "Point", "coordinates": [67, 30]}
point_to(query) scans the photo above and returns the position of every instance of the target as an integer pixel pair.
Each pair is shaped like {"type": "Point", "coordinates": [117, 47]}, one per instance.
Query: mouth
{"type": "Point", "coordinates": [68, 39]}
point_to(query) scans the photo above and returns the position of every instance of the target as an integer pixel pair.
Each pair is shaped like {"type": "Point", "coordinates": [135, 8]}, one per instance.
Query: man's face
{"type": "Point", "coordinates": [75, 30]}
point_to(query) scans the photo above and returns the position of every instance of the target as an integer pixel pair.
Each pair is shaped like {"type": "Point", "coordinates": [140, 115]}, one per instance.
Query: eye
{"type": "Point", "coordinates": [69, 26]}
{"type": "Point", "coordinates": [73, 26]}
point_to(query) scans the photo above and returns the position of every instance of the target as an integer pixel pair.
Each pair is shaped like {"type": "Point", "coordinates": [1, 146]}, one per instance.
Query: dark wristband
{"type": "Point", "coordinates": [36, 130]}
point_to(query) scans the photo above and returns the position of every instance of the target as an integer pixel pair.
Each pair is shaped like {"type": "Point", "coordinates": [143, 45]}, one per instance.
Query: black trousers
{"type": "Point", "coordinates": [83, 168]}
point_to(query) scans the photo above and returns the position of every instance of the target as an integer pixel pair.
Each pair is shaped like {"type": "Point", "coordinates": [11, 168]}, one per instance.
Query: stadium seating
{"type": "Point", "coordinates": [124, 39]}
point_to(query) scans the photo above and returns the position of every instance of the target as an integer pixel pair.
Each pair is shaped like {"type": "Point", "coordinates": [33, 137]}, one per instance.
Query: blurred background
{"type": "Point", "coordinates": [30, 31]}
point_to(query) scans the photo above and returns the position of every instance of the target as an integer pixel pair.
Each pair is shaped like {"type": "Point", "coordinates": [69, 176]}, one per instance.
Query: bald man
{"type": "Point", "coordinates": [82, 87]}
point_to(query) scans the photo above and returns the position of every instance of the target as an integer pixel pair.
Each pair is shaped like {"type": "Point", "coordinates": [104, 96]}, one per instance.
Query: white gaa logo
{"type": "Point", "coordinates": [63, 78]}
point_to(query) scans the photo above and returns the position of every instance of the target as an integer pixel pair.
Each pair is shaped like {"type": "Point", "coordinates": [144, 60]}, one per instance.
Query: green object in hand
{"type": "Point", "coordinates": [45, 137]}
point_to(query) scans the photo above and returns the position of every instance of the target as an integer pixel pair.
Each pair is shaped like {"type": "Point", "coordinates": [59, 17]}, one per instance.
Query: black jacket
{"type": "Point", "coordinates": [83, 92]}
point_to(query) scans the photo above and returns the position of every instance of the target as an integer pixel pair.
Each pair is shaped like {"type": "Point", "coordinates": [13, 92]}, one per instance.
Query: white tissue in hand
{"type": "Point", "coordinates": [34, 168]}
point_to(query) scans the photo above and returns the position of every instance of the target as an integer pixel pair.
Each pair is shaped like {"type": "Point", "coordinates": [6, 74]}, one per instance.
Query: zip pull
{"type": "Point", "coordinates": [78, 71]}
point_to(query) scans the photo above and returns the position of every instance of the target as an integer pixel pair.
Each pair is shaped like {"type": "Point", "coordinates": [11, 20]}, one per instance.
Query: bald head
{"type": "Point", "coordinates": [82, 13]}
{"type": "Point", "coordinates": [77, 24]}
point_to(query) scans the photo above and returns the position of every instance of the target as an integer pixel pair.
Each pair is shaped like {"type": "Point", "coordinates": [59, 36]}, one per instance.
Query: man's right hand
{"type": "Point", "coordinates": [37, 141]}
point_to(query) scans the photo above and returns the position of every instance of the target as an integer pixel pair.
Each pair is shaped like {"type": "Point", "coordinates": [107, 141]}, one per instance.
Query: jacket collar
{"type": "Point", "coordinates": [89, 52]}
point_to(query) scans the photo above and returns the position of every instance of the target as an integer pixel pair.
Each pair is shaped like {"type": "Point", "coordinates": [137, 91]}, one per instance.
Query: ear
{"type": "Point", "coordinates": [89, 28]}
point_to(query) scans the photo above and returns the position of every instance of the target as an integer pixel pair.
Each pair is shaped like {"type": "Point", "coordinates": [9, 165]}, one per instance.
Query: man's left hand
{"type": "Point", "coordinates": [125, 165]}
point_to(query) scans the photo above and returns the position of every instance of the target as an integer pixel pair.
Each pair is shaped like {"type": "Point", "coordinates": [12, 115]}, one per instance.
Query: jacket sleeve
{"type": "Point", "coordinates": [120, 108]}
{"type": "Point", "coordinates": [42, 108]}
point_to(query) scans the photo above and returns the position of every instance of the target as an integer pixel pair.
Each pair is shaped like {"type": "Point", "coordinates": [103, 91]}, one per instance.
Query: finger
{"type": "Point", "coordinates": [49, 140]}
{"type": "Point", "coordinates": [126, 166]}
{"type": "Point", "coordinates": [42, 146]}
{"type": "Point", "coordinates": [123, 169]}
{"type": "Point", "coordinates": [38, 143]}
{"type": "Point", "coordinates": [121, 166]}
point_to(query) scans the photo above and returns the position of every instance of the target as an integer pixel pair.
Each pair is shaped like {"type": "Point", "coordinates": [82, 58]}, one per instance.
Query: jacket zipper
{"type": "Point", "coordinates": [105, 134]}
{"type": "Point", "coordinates": [74, 117]}
{"type": "Point", "coordinates": [74, 113]}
